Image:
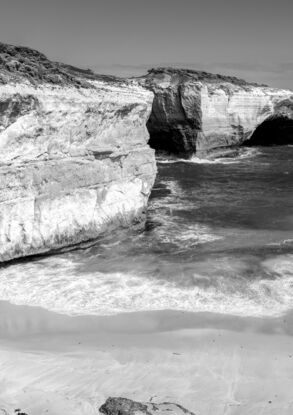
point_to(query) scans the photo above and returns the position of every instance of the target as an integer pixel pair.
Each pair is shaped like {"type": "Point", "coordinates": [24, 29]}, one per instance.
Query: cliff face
{"type": "Point", "coordinates": [197, 112]}
{"type": "Point", "coordinates": [74, 159]}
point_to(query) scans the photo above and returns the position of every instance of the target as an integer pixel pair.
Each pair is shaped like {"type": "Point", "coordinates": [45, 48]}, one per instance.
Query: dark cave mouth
{"type": "Point", "coordinates": [171, 144]}
{"type": "Point", "coordinates": [274, 131]}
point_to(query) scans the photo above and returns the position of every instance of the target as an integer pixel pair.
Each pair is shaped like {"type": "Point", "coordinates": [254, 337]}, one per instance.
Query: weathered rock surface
{"type": "Point", "coordinates": [74, 159]}
{"type": "Point", "coordinates": [123, 406]}
{"type": "Point", "coordinates": [198, 112]}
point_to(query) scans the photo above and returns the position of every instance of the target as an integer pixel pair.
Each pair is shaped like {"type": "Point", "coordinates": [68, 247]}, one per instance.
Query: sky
{"type": "Point", "coordinates": [252, 39]}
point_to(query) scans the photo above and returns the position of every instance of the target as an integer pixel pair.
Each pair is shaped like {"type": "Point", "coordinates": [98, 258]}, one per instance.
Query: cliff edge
{"type": "Point", "coordinates": [74, 158]}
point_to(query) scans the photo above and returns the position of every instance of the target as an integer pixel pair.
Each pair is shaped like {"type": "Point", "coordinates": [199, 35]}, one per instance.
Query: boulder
{"type": "Point", "coordinates": [123, 406]}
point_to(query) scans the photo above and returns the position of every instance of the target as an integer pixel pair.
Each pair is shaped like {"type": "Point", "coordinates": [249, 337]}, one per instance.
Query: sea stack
{"type": "Point", "coordinates": [74, 158]}
{"type": "Point", "coordinates": [198, 112]}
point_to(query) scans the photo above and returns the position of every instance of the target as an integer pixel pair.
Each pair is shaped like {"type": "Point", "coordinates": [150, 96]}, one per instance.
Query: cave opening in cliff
{"type": "Point", "coordinates": [276, 130]}
{"type": "Point", "coordinates": [172, 143]}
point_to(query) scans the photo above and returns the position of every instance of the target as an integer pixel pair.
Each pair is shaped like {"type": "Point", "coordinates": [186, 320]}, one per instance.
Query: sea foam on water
{"type": "Point", "coordinates": [57, 284]}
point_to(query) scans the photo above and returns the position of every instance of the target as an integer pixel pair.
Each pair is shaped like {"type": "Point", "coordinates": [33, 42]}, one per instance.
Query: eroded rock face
{"type": "Point", "coordinates": [123, 406]}
{"type": "Point", "coordinates": [196, 112]}
{"type": "Point", "coordinates": [74, 158]}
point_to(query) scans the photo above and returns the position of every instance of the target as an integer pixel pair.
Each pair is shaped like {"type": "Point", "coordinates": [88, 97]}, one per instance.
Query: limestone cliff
{"type": "Point", "coordinates": [196, 111]}
{"type": "Point", "coordinates": [74, 159]}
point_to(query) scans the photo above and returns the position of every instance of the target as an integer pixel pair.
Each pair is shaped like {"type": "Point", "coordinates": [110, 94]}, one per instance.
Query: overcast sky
{"type": "Point", "coordinates": [249, 38]}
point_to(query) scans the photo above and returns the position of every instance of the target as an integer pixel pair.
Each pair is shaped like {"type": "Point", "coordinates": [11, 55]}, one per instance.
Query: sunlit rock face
{"type": "Point", "coordinates": [74, 158]}
{"type": "Point", "coordinates": [196, 112]}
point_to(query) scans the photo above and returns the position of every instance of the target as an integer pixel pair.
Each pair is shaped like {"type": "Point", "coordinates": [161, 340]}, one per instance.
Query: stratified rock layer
{"type": "Point", "coordinates": [123, 406]}
{"type": "Point", "coordinates": [74, 159]}
{"type": "Point", "coordinates": [196, 112]}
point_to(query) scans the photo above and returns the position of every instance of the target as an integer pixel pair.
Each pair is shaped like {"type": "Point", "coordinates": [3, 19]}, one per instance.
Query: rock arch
{"type": "Point", "coordinates": [196, 112]}
{"type": "Point", "coordinates": [277, 129]}
{"type": "Point", "coordinates": [274, 130]}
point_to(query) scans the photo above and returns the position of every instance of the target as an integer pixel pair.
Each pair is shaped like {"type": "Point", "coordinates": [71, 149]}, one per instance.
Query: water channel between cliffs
{"type": "Point", "coordinates": [219, 238]}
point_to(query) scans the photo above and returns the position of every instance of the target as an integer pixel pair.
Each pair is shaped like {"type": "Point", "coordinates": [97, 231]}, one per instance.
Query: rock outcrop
{"type": "Point", "coordinates": [196, 112]}
{"type": "Point", "coordinates": [74, 158]}
{"type": "Point", "coordinates": [123, 406]}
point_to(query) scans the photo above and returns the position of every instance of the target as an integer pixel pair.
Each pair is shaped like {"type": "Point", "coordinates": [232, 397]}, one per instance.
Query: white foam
{"type": "Point", "coordinates": [176, 199]}
{"type": "Point", "coordinates": [183, 235]}
{"type": "Point", "coordinates": [243, 154]}
{"type": "Point", "coordinates": [57, 284]}
{"type": "Point", "coordinates": [284, 242]}
{"type": "Point", "coordinates": [172, 229]}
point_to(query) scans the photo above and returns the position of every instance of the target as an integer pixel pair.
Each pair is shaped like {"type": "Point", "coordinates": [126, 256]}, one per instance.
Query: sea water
{"type": "Point", "coordinates": [218, 238]}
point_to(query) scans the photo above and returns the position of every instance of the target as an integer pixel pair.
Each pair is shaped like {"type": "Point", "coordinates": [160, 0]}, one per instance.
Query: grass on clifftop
{"type": "Point", "coordinates": [18, 63]}
{"type": "Point", "coordinates": [202, 76]}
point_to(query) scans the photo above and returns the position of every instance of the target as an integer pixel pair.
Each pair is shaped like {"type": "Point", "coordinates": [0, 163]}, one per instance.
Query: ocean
{"type": "Point", "coordinates": [218, 238]}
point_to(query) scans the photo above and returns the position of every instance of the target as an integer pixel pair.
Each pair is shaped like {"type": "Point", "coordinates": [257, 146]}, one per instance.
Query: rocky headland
{"type": "Point", "coordinates": [198, 112]}
{"type": "Point", "coordinates": [74, 158]}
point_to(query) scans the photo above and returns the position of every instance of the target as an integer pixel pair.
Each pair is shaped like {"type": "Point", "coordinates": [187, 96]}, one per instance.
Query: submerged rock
{"type": "Point", "coordinates": [123, 406]}
{"type": "Point", "coordinates": [196, 112]}
{"type": "Point", "coordinates": [74, 158]}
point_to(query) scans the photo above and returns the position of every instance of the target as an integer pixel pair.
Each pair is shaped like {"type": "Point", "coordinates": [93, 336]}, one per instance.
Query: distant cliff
{"type": "Point", "coordinates": [74, 159]}
{"type": "Point", "coordinates": [196, 112]}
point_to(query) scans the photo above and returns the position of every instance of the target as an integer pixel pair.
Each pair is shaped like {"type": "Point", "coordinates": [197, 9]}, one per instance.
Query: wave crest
{"type": "Point", "coordinates": [57, 284]}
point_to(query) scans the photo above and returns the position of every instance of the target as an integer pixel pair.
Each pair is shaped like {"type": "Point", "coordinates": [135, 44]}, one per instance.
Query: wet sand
{"type": "Point", "coordinates": [211, 364]}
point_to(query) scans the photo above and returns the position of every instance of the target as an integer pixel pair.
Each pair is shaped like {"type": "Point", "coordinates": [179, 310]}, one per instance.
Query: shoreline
{"type": "Point", "coordinates": [17, 320]}
{"type": "Point", "coordinates": [210, 364]}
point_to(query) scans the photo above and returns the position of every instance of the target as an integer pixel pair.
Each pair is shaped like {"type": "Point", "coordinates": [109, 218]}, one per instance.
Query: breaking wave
{"type": "Point", "coordinates": [57, 284]}
{"type": "Point", "coordinates": [216, 240]}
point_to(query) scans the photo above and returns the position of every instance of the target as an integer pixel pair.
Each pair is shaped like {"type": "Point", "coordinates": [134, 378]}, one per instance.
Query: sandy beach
{"type": "Point", "coordinates": [211, 364]}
